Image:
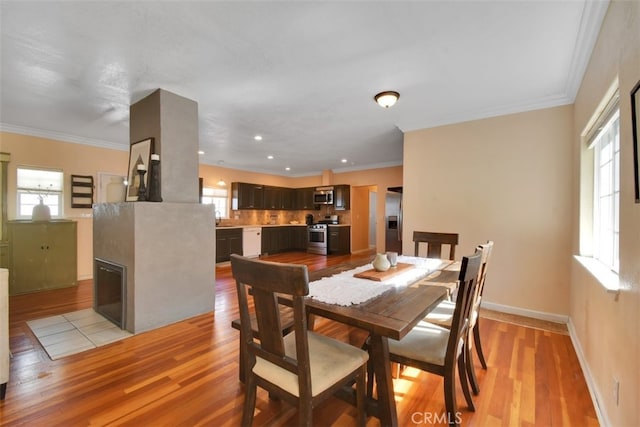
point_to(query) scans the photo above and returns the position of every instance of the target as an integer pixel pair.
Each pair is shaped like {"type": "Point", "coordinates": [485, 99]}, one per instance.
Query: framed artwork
{"type": "Point", "coordinates": [635, 125]}
{"type": "Point", "coordinates": [139, 154]}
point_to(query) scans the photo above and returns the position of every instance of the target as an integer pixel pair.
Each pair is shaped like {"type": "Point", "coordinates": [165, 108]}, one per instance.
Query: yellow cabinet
{"type": "Point", "coordinates": [42, 255]}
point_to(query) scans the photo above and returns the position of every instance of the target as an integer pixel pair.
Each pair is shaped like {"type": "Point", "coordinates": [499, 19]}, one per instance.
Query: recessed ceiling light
{"type": "Point", "coordinates": [287, 168]}
{"type": "Point", "coordinates": [270, 157]}
{"type": "Point", "coordinates": [258, 137]}
{"type": "Point", "coordinates": [200, 152]}
{"type": "Point", "coordinates": [344, 160]}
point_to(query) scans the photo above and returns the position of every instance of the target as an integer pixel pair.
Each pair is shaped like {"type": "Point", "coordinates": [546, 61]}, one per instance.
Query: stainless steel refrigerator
{"type": "Point", "coordinates": [393, 219]}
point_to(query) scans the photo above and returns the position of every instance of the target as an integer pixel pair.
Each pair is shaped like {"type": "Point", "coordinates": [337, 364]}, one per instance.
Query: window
{"type": "Point", "coordinates": [606, 188]}
{"type": "Point", "coordinates": [217, 197]}
{"type": "Point", "coordinates": [34, 185]}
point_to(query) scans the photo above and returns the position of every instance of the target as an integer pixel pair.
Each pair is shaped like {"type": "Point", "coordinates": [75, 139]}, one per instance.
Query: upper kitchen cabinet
{"type": "Point", "coordinates": [278, 198]}
{"type": "Point", "coordinates": [247, 196]}
{"type": "Point", "coordinates": [304, 198]}
{"type": "Point", "coordinates": [341, 197]}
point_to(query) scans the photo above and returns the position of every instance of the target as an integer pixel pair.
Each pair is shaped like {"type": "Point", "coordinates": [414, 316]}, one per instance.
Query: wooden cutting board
{"type": "Point", "coordinates": [379, 276]}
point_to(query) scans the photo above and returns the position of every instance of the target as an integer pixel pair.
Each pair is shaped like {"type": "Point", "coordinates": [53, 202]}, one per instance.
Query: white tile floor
{"type": "Point", "coordinates": [74, 332]}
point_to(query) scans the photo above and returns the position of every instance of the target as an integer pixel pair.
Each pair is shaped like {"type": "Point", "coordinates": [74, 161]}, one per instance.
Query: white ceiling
{"type": "Point", "coordinates": [301, 74]}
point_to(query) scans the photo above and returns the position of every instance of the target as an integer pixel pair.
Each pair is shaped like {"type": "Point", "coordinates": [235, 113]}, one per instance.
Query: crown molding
{"type": "Point", "coordinates": [63, 137]}
{"type": "Point", "coordinates": [593, 15]}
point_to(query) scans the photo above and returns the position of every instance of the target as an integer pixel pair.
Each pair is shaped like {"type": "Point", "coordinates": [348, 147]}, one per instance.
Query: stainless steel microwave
{"type": "Point", "coordinates": [323, 196]}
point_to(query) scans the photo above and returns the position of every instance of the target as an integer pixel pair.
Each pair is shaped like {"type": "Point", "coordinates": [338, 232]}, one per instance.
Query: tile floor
{"type": "Point", "coordinates": [72, 333]}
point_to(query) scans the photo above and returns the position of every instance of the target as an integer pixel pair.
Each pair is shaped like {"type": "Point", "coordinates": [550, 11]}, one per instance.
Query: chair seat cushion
{"type": "Point", "coordinates": [426, 343]}
{"type": "Point", "coordinates": [329, 359]}
{"type": "Point", "coordinates": [442, 315]}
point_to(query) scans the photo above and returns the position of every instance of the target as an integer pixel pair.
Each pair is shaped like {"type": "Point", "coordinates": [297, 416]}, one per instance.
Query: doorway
{"type": "Point", "coordinates": [363, 218]}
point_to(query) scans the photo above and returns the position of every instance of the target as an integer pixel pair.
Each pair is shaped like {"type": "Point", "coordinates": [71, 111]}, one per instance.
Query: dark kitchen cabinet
{"type": "Point", "coordinates": [274, 240]}
{"type": "Point", "coordinates": [304, 198]}
{"type": "Point", "coordinates": [228, 241]}
{"type": "Point", "coordinates": [299, 238]}
{"type": "Point", "coordinates": [339, 240]}
{"type": "Point", "coordinates": [247, 196]}
{"type": "Point", "coordinates": [283, 239]}
{"type": "Point", "coordinates": [272, 198]}
{"type": "Point", "coordinates": [278, 198]}
{"type": "Point", "coordinates": [341, 197]}
{"type": "Point", "coordinates": [288, 198]}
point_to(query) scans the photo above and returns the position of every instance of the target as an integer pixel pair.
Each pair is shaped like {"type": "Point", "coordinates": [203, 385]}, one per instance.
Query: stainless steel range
{"type": "Point", "coordinates": [317, 239]}
{"type": "Point", "coordinates": [317, 235]}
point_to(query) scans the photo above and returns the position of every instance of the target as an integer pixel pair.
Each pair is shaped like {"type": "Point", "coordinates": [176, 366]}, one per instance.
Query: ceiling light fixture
{"type": "Point", "coordinates": [221, 183]}
{"type": "Point", "coordinates": [258, 138]}
{"type": "Point", "coordinates": [200, 152]}
{"type": "Point", "coordinates": [387, 99]}
{"type": "Point", "coordinates": [270, 157]}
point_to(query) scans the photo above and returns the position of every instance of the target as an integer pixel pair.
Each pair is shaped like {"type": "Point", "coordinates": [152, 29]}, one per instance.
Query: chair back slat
{"type": "Point", "coordinates": [434, 243]}
{"type": "Point", "coordinates": [486, 249]}
{"type": "Point", "coordinates": [468, 279]}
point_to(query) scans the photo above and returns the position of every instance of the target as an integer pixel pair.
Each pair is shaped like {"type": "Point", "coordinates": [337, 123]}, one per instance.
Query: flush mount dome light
{"type": "Point", "coordinates": [387, 99]}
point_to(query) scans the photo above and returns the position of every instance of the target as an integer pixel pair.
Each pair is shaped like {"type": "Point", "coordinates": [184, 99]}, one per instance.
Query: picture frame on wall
{"type": "Point", "coordinates": [635, 126]}
{"type": "Point", "coordinates": [139, 154]}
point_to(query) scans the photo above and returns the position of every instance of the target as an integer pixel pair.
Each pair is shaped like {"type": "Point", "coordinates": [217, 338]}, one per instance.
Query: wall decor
{"type": "Point", "coordinates": [139, 159]}
{"type": "Point", "coordinates": [81, 191]}
{"type": "Point", "coordinates": [635, 125]}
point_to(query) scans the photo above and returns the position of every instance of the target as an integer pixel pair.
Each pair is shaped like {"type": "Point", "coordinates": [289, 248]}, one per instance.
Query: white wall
{"type": "Point", "coordinates": [506, 179]}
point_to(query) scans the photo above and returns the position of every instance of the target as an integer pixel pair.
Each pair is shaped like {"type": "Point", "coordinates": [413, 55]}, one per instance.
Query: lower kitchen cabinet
{"type": "Point", "coordinates": [283, 239]}
{"type": "Point", "coordinates": [339, 240]}
{"type": "Point", "coordinates": [228, 241]}
{"type": "Point", "coordinates": [42, 255]}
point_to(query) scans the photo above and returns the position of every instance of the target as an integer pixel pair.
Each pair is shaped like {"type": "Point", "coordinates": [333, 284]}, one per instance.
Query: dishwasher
{"type": "Point", "coordinates": [252, 241]}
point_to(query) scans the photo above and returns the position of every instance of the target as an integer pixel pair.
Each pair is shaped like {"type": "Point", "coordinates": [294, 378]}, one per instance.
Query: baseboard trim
{"type": "Point", "coordinates": [540, 315]}
{"type": "Point", "coordinates": [596, 398]}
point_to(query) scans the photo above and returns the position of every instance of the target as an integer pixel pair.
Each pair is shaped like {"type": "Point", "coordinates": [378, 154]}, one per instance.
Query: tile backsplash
{"type": "Point", "coordinates": [269, 217]}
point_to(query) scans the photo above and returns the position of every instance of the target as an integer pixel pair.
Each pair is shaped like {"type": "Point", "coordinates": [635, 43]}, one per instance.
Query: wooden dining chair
{"type": "Point", "coordinates": [434, 243]}
{"type": "Point", "coordinates": [439, 350]}
{"type": "Point", "coordinates": [303, 368]}
{"type": "Point", "coordinates": [442, 315]}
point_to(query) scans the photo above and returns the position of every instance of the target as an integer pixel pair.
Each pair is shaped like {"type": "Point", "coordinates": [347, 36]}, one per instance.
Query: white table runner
{"type": "Point", "coordinates": [344, 289]}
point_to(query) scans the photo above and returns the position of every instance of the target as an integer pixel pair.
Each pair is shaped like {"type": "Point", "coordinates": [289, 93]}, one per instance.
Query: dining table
{"type": "Point", "coordinates": [391, 314]}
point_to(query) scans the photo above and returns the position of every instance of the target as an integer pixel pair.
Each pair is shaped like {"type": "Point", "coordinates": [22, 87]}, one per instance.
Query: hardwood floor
{"type": "Point", "coordinates": [186, 374]}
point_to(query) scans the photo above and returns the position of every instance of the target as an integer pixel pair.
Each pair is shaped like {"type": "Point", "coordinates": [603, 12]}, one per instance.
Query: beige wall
{"type": "Point", "coordinates": [607, 327]}
{"type": "Point", "coordinates": [506, 179]}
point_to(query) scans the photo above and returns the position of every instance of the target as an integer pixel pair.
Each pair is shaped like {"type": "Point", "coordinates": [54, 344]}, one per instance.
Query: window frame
{"type": "Point", "coordinates": [605, 134]}
{"type": "Point", "coordinates": [22, 192]}
{"type": "Point", "coordinates": [222, 212]}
